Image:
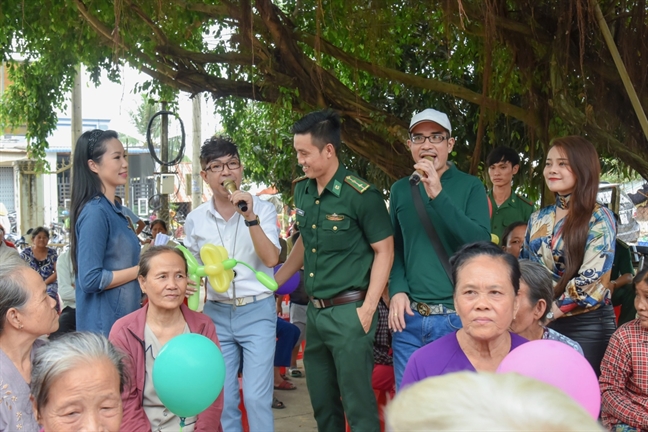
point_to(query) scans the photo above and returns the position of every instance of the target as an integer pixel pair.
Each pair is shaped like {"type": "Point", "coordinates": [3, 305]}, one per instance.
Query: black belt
{"type": "Point", "coordinates": [338, 300]}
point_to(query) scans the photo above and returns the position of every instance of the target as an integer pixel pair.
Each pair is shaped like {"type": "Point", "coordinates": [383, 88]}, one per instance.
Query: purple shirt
{"type": "Point", "coordinates": [441, 357]}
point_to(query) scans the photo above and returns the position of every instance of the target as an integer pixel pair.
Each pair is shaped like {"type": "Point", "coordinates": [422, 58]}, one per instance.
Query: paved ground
{"type": "Point", "coordinates": [298, 414]}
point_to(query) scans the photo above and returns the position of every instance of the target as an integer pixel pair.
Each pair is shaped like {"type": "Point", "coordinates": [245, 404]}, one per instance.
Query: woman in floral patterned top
{"type": "Point", "coordinates": [575, 240]}
{"type": "Point", "coordinates": [43, 259]}
{"type": "Point", "coordinates": [26, 313]}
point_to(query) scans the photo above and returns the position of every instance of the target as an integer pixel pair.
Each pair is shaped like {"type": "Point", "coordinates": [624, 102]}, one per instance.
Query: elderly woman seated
{"type": "Point", "coordinates": [535, 296]}
{"type": "Point", "coordinates": [624, 376]}
{"type": "Point", "coordinates": [486, 282]}
{"type": "Point", "coordinates": [26, 313]}
{"type": "Point", "coordinates": [76, 384]}
{"type": "Point", "coordinates": [143, 333]}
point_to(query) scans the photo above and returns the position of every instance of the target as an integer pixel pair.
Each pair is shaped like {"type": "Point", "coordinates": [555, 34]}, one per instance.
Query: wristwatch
{"type": "Point", "coordinates": [550, 316]}
{"type": "Point", "coordinates": [252, 222]}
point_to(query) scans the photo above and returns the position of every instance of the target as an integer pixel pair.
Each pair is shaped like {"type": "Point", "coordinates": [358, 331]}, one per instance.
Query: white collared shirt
{"type": "Point", "coordinates": [201, 228]}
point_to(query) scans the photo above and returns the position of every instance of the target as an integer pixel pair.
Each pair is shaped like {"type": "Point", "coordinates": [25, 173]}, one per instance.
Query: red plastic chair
{"type": "Point", "coordinates": [384, 387]}
{"type": "Point", "coordinates": [244, 419]}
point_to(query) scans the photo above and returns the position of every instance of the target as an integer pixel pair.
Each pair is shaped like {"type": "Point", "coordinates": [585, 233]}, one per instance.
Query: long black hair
{"type": "Point", "coordinates": [86, 184]}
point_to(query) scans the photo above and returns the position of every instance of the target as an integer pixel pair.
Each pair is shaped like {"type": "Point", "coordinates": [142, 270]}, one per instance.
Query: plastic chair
{"type": "Point", "coordinates": [244, 419]}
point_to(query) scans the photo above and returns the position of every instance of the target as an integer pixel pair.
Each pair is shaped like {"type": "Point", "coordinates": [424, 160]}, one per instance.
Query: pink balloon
{"type": "Point", "coordinates": [290, 285]}
{"type": "Point", "coordinates": [559, 365]}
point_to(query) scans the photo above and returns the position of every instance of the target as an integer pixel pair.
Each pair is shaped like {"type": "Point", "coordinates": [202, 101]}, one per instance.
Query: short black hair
{"type": "Point", "coordinates": [323, 126]}
{"type": "Point", "coordinates": [39, 230]}
{"type": "Point", "coordinates": [159, 222]}
{"type": "Point", "coordinates": [217, 147]}
{"type": "Point", "coordinates": [509, 229]}
{"type": "Point", "coordinates": [473, 250]}
{"type": "Point", "coordinates": [503, 154]}
{"type": "Point", "coordinates": [641, 276]}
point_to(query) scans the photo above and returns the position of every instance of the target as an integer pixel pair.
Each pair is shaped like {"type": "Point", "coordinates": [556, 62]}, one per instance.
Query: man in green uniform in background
{"type": "Point", "coordinates": [505, 207]}
{"type": "Point", "coordinates": [346, 248]}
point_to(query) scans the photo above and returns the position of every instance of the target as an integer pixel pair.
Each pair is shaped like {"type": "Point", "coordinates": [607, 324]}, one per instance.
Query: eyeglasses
{"type": "Point", "coordinates": [434, 138]}
{"type": "Point", "coordinates": [218, 167]}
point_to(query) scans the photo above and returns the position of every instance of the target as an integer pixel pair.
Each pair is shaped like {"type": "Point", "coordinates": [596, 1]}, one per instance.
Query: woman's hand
{"type": "Point", "coordinates": [191, 288]}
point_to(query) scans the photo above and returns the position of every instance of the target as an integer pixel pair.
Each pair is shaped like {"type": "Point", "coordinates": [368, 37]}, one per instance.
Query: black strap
{"type": "Point", "coordinates": [431, 232]}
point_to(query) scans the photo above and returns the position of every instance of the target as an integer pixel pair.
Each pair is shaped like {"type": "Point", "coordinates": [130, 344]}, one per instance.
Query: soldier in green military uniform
{"type": "Point", "coordinates": [505, 206]}
{"type": "Point", "coordinates": [346, 247]}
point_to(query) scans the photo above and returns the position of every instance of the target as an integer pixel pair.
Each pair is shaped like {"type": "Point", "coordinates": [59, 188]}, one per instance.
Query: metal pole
{"type": "Point", "coordinates": [77, 114]}
{"type": "Point", "coordinates": [632, 94]}
{"type": "Point", "coordinates": [196, 180]}
{"type": "Point", "coordinates": [163, 213]}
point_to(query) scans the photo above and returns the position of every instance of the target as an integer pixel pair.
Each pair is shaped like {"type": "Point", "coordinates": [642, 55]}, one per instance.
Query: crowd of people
{"type": "Point", "coordinates": [447, 279]}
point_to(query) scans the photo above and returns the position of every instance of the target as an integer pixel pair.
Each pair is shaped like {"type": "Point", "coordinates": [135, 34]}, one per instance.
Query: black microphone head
{"type": "Point", "coordinates": [415, 178]}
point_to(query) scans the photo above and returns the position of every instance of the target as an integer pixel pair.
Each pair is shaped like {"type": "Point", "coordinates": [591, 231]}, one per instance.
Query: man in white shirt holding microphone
{"type": "Point", "coordinates": [244, 315]}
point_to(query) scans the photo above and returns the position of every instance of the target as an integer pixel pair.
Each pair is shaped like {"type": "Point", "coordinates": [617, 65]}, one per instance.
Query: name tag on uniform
{"type": "Point", "coordinates": [335, 217]}
{"type": "Point", "coordinates": [300, 212]}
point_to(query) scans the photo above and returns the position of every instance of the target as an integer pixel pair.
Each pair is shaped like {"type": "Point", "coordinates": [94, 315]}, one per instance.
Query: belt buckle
{"type": "Point", "coordinates": [240, 301]}
{"type": "Point", "coordinates": [317, 303]}
{"type": "Point", "coordinates": [423, 309]}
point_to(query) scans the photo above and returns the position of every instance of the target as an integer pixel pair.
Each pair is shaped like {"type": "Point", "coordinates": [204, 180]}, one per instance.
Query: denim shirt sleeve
{"type": "Point", "coordinates": [92, 230]}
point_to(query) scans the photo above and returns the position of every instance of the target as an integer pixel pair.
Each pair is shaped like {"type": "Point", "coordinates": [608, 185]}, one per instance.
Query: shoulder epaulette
{"type": "Point", "coordinates": [356, 183]}
{"type": "Point", "coordinates": [525, 200]}
{"type": "Point", "coordinates": [298, 179]}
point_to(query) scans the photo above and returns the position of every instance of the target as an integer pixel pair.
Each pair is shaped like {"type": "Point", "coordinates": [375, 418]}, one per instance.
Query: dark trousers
{"type": "Point", "coordinates": [592, 330]}
{"type": "Point", "coordinates": [339, 364]}
{"type": "Point", "coordinates": [67, 323]}
{"type": "Point", "coordinates": [287, 337]}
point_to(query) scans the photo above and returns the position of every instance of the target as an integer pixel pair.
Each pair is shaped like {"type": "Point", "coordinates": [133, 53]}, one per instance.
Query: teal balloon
{"type": "Point", "coordinates": [188, 374]}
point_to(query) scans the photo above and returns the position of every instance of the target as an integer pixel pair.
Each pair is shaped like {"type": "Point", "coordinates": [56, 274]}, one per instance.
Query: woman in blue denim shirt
{"type": "Point", "coordinates": [104, 248]}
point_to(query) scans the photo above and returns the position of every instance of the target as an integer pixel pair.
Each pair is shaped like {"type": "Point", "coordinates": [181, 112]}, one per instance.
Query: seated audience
{"type": "Point", "coordinates": [486, 282]}
{"type": "Point", "coordinates": [486, 402]}
{"type": "Point", "coordinates": [3, 241]}
{"type": "Point", "coordinates": [621, 286]}
{"type": "Point", "coordinates": [76, 384]}
{"type": "Point", "coordinates": [26, 313]}
{"type": "Point", "coordinates": [534, 297]}
{"type": "Point", "coordinates": [624, 370]}
{"type": "Point", "coordinates": [143, 333]}
{"type": "Point", "coordinates": [158, 226]}
{"type": "Point", "coordinates": [43, 259]}
{"type": "Point", "coordinates": [382, 378]}
{"type": "Point", "coordinates": [513, 238]}
{"type": "Point", "coordinates": [67, 319]}
{"type": "Point", "coordinates": [287, 336]}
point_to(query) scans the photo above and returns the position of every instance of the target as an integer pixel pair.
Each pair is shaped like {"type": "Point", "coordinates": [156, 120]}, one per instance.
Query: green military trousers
{"type": "Point", "coordinates": [339, 363]}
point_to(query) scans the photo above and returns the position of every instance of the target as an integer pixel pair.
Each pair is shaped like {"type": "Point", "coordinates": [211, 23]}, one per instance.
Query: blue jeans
{"type": "Point", "coordinates": [419, 331]}
{"type": "Point", "coordinates": [247, 335]}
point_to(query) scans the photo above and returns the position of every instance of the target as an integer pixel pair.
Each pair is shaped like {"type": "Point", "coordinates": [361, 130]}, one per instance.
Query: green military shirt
{"type": "Point", "coordinates": [337, 228]}
{"type": "Point", "coordinates": [623, 295]}
{"type": "Point", "coordinates": [514, 209]}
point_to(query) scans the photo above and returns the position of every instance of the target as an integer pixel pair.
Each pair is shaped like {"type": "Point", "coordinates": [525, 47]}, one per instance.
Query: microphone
{"type": "Point", "coordinates": [417, 175]}
{"type": "Point", "coordinates": [231, 188]}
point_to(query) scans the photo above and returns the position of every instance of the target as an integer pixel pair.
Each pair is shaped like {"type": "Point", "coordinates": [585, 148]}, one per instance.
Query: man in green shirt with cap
{"type": "Point", "coordinates": [505, 206]}
{"type": "Point", "coordinates": [455, 204]}
{"type": "Point", "coordinates": [346, 248]}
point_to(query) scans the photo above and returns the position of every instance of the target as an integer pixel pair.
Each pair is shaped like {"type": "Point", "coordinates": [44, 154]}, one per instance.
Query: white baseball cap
{"type": "Point", "coordinates": [432, 115]}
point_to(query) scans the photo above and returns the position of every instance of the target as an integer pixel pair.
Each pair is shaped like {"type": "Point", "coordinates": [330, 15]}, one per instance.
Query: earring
{"type": "Point", "coordinates": [21, 326]}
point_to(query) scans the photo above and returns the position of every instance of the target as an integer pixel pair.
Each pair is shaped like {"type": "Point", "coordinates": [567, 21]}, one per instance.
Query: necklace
{"type": "Point", "coordinates": [231, 255]}
{"type": "Point", "coordinates": [562, 201]}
